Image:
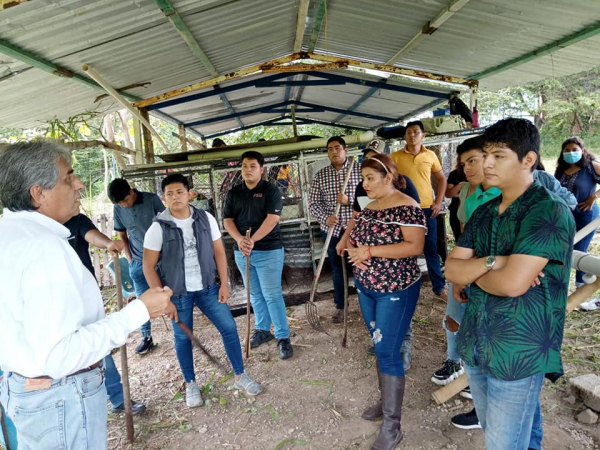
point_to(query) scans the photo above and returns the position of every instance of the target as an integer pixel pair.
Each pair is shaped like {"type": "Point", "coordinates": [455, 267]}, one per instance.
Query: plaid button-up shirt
{"type": "Point", "coordinates": [323, 195]}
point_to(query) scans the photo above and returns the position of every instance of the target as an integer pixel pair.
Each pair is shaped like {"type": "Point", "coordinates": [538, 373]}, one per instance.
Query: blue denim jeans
{"type": "Point", "coordinates": [266, 295]}
{"type": "Point", "coordinates": [581, 220]}
{"type": "Point", "coordinates": [388, 316]}
{"type": "Point", "coordinates": [114, 387]}
{"type": "Point", "coordinates": [455, 310]}
{"type": "Point", "coordinates": [509, 411]}
{"type": "Point", "coordinates": [71, 413]}
{"type": "Point", "coordinates": [140, 285]}
{"type": "Point", "coordinates": [207, 300]}
{"type": "Point", "coordinates": [432, 258]}
{"type": "Point", "coordinates": [10, 426]}
{"type": "Point", "coordinates": [336, 269]}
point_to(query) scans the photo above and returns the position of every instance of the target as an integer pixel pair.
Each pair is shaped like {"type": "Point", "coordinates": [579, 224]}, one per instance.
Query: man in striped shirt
{"type": "Point", "coordinates": [324, 195]}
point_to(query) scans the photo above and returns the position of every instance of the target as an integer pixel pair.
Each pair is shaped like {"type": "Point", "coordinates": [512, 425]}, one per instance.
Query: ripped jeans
{"type": "Point", "coordinates": [388, 316]}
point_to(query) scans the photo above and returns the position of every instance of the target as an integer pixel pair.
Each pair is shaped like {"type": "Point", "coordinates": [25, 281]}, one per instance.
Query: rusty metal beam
{"type": "Point", "coordinates": [278, 65]}
{"type": "Point", "coordinates": [393, 69]}
{"type": "Point", "coordinates": [216, 80]}
{"type": "Point", "coordinates": [5, 4]}
{"type": "Point", "coordinates": [339, 65]}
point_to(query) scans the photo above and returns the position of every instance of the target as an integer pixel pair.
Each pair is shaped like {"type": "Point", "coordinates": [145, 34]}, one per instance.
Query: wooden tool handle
{"type": "Point", "coordinates": [247, 343]}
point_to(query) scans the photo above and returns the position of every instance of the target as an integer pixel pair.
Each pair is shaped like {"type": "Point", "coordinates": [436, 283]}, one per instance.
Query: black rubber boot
{"type": "Point", "coordinates": [375, 412]}
{"type": "Point", "coordinates": [390, 432]}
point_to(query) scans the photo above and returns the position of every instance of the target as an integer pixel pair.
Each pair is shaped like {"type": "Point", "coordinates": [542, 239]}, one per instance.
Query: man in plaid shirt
{"type": "Point", "coordinates": [324, 194]}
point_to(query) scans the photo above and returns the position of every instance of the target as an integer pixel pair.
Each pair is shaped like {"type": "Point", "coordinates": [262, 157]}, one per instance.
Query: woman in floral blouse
{"type": "Point", "coordinates": [388, 235]}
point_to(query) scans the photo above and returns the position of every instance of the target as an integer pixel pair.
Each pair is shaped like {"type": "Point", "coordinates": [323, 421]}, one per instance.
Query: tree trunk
{"type": "Point", "coordinates": [109, 133]}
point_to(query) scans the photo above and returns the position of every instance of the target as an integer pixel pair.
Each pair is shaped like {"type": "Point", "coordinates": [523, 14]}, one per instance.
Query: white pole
{"type": "Point", "coordinates": [108, 88]}
{"type": "Point", "coordinates": [590, 227]}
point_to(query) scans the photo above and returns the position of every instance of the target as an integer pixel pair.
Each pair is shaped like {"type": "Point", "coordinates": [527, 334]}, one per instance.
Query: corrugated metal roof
{"type": "Point", "coordinates": [131, 41]}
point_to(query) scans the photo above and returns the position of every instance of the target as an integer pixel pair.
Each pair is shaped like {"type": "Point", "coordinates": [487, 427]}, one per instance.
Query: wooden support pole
{"type": "Point", "coordinates": [108, 88]}
{"type": "Point", "coordinates": [123, 352]}
{"type": "Point", "coordinates": [294, 126]}
{"type": "Point", "coordinates": [182, 138]}
{"type": "Point", "coordinates": [147, 137]}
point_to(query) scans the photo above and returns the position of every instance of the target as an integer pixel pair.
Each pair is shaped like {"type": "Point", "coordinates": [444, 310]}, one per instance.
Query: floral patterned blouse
{"type": "Point", "coordinates": [382, 227]}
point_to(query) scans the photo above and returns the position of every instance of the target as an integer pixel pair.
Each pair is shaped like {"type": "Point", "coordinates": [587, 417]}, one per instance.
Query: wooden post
{"type": "Point", "coordinates": [182, 138]}
{"type": "Point", "coordinates": [138, 140]}
{"type": "Point", "coordinates": [147, 136]}
{"type": "Point", "coordinates": [123, 352]}
{"type": "Point", "coordinates": [294, 127]}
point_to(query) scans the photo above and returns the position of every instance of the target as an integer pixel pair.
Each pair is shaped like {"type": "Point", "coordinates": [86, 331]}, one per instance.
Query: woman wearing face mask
{"type": "Point", "coordinates": [579, 172]}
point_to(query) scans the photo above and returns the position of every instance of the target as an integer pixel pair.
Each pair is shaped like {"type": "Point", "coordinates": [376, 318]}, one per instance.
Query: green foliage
{"type": "Point", "coordinates": [560, 107]}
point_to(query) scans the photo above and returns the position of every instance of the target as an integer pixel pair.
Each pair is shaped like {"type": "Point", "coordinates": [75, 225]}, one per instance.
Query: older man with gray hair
{"type": "Point", "coordinates": [53, 329]}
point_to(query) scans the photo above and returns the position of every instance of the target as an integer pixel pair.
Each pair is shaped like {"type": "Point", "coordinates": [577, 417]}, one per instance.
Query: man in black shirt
{"type": "Point", "coordinates": [256, 204]}
{"type": "Point", "coordinates": [83, 233]}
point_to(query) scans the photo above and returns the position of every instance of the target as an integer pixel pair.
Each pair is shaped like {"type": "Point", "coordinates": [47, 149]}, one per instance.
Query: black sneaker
{"type": "Point", "coordinates": [466, 393]}
{"type": "Point", "coordinates": [144, 346]}
{"type": "Point", "coordinates": [466, 421]}
{"type": "Point", "coordinates": [136, 408]}
{"type": "Point", "coordinates": [450, 371]}
{"type": "Point", "coordinates": [285, 348]}
{"type": "Point", "coordinates": [259, 337]}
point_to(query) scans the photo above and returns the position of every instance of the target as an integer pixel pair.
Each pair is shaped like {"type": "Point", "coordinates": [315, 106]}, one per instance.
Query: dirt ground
{"type": "Point", "coordinates": [315, 399]}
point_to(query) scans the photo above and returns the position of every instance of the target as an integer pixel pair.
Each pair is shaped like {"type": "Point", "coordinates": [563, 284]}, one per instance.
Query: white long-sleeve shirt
{"type": "Point", "coordinates": [52, 320]}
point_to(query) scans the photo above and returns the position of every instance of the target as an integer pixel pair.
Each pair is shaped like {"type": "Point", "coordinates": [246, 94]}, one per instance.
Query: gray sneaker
{"type": "Point", "coordinates": [248, 384]}
{"type": "Point", "coordinates": [193, 396]}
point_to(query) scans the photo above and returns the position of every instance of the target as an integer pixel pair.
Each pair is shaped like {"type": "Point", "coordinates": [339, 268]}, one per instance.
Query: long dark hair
{"type": "Point", "coordinates": [397, 179]}
{"type": "Point", "coordinates": [587, 157]}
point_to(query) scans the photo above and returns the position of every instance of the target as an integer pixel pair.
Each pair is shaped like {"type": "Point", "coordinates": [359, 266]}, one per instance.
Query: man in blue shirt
{"type": "Point", "coordinates": [133, 214]}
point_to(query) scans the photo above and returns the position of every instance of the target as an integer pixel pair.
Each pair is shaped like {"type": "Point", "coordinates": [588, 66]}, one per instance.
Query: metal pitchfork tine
{"type": "Point", "coordinates": [310, 307]}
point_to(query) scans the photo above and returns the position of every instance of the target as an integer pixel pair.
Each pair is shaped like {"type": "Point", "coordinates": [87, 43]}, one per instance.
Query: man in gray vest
{"type": "Point", "coordinates": [183, 249]}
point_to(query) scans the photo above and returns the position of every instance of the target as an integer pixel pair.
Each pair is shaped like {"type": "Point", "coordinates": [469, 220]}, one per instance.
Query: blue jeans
{"type": "Point", "coordinates": [581, 220]}
{"type": "Point", "coordinates": [336, 269]}
{"type": "Point", "coordinates": [266, 295]}
{"type": "Point", "coordinates": [455, 310]}
{"type": "Point", "coordinates": [207, 300]}
{"type": "Point", "coordinates": [140, 285]}
{"type": "Point", "coordinates": [114, 387]}
{"type": "Point", "coordinates": [509, 411]}
{"type": "Point", "coordinates": [69, 414]}
{"type": "Point", "coordinates": [432, 258]}
{"type": "Point", "coordinates": [388, 316]}
{"type": "Point", "coordinates": [10, 426]}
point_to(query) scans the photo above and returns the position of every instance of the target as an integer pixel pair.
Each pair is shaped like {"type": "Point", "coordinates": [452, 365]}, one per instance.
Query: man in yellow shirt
{"type": "Point", "coordinates": [418, 163]}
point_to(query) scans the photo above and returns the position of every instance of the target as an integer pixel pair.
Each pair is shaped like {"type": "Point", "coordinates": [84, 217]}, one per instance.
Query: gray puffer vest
{"type": "Point", "coordinates": [170, 266]}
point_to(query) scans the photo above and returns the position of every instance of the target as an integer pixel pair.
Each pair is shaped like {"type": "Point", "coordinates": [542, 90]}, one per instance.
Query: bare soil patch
{"type": "Point", "coordinates": [314, 400]}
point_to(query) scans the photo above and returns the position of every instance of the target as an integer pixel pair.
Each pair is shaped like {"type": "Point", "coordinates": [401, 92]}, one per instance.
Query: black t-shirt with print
{"type": "Point", "coordinates": [249, 208]}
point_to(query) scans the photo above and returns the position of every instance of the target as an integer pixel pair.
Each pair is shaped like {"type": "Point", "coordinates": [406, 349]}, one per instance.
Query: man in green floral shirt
{"type": "Point", "coordinates": [516, 254]}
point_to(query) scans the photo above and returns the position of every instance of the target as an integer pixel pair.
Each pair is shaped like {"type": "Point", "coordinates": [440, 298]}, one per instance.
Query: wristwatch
{"type": "Point", "coordinates": [489, 262]}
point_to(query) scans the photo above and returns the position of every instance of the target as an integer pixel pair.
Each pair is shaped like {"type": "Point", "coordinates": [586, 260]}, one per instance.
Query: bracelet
{"type": "Point", "coordinates": [369, 252]}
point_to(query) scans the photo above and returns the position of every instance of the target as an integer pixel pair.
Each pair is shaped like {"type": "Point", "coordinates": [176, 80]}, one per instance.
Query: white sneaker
{"type": "Point", "coordinates": [591, 305]}
{"type": "Point", "coordinates": [248, 384]}
{"type": "Point", "coordinates": [193, 396]}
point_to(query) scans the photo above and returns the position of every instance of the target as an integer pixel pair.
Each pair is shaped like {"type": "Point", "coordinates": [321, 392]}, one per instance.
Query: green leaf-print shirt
{"type": "Point", "coordinates": [514, 338]}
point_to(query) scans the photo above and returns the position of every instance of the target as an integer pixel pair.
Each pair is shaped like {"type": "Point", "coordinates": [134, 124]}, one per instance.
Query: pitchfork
{"type": "Point", "coordinates": [310, 307]}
